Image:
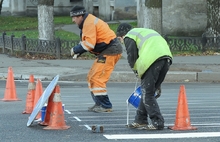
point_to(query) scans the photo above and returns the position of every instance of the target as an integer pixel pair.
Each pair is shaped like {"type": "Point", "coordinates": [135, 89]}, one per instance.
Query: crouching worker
{"type": "Point", "coordinates": [149, 57]}
{"type": "Point", "coordinates": [99, 39]}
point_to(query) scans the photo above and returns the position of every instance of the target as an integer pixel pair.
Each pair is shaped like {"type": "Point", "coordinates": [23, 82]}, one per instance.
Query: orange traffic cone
{"type": "Point", "coordinates": [48, 110]}
{"type": "Point", "coordinates": [10, 90]}
{"type": "Point", "coordinates": [57, 121]}
{"type": "Point", "coordinates": [37, 95]}
{"type": "Point", "coordinates": [182, 121]}
{"type": "Point", "coordinates": [30, 96]}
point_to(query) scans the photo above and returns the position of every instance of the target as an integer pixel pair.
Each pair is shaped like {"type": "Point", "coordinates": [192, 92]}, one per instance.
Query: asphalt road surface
{"type": "Point", "coordinates": [203, 106]}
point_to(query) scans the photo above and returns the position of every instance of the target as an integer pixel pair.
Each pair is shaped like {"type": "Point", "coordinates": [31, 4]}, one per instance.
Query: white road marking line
{"type": "Point", "coordinates": [164, 136]}
{"type": "Point", "coordinates": [88, 127]}
{"type": "Point", "coordinates": [67, 111]}
{"type": "Point", "coordinates": [77, 118]}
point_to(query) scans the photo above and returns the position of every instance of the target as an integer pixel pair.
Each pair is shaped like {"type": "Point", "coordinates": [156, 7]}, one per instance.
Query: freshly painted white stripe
{"type": "Point", "coordinates": [164, 136]}
{"type": "Point", "coordinates": [67, 111]}
{"type": "Point", "coordinates": [77, 118]}
{"type": "Point", "coordinates": [167, 125]}
{"type": "Point", "coordinates": [88, 127]}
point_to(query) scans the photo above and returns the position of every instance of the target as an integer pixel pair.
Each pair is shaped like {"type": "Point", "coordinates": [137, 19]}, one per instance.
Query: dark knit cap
{"type": "Point", "coordinates": [77, 11]}
{"type": "Point", "coordinates": [123, 29]}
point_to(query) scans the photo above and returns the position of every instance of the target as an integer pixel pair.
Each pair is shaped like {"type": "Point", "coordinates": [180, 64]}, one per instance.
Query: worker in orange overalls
{"type": "Point", "coordinates": [99, 39]}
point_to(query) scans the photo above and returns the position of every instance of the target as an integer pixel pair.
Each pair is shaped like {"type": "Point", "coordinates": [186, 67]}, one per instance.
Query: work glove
{"type": "Point", "coordinates": [136, 73]}
{"type": "Point", "coordinates": [158, 92]}
{"type": "Point", "coordinates": [73, 54]}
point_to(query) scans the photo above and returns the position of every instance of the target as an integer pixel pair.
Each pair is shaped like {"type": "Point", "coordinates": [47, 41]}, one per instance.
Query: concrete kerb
{"type": "Point", "coordinates": [175, 76]}
{"type": "Point", "coordinates": [172, 76]}
{"type": "Point", "coordinates": [192, 77]}
{"type": "Point", "coordinates": [126, 76]}
{"type": "Point", "coordinates": [208, 77]}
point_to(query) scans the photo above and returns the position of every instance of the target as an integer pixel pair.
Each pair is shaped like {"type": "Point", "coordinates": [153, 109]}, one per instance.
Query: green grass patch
{"type": "Point", "coordinates": [59, 20]}
{"type": "Point", "coordinates": [28, 26]}
{"type": "Point", "coordinates": [63, 35]}
{"type": "Point", "coordinates": [11, 23]}
{"type": "Point", "coordinates": [28, 33]}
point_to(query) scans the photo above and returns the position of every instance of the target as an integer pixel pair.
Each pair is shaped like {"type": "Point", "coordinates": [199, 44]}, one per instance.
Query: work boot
{"type": "Point", "coordinates": [92, 107]}
{"type": "Point", "coordinates": [101, 109]}
{"type": "Point", "coordinates": [156, 125]}
{"type": "Point", "coordinates": [135, 125]}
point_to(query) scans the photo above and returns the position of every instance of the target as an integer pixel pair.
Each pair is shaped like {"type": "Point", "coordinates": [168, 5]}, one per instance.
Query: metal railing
{"type": "Point", "coordinates": [59, 48]}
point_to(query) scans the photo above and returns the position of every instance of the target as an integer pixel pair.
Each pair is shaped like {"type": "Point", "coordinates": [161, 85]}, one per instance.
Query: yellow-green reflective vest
{"type": "Point", "coordinates": [151, 46]}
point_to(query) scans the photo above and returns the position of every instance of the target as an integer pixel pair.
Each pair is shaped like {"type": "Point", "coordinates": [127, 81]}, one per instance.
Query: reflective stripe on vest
{"type": "Point", "coordinates": [143, 38]}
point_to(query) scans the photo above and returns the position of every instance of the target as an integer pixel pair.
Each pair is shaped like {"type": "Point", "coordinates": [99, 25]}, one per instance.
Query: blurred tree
{"type": "Point", "coordinates": [149, 14]}
{"type": "Point", "coordinates": [213, 14]}
{"type": "Point", "coordinates": [45, 19]}
{"type": "Point", "coordinates": [213, 21]}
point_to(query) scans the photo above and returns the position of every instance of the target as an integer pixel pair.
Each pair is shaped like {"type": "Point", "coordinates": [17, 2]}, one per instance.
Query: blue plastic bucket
{"type": "Point", "coordinates": [44, 109]}
{"type": "Point", "coordinates": [135, 97]}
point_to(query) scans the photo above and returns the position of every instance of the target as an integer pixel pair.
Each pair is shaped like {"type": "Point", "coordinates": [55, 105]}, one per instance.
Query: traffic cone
{"type": "Point", "coordinates": [10, 89]}
{"type": "Point", "coordinates": [48, 110]}
{"type": "Point", "coordinates": [30, 96]}
{"type": "Point", "coordinates": [37, 95]}
{"type": "Point", "coordinates": [57, 121]}
{"type": "Point", "coordinates": [182, 121]}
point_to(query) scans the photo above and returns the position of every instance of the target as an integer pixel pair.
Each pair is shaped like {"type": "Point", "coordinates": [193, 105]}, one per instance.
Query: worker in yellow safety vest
{"type": "Point", "coordinates": [149, 56]}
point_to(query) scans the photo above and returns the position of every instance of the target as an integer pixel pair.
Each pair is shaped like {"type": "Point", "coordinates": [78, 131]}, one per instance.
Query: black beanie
{"type": "Point", "coordinates": [77, 11]}
{"type": "Point", "coordinates": [123, 29]}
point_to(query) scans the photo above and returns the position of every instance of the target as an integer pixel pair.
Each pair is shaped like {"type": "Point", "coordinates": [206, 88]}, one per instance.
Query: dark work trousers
{"type": "Point", "coordinates": [150, 81]}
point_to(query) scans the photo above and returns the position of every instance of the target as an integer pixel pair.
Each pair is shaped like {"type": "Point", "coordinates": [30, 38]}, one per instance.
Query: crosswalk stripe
{"type": "Point", "coordinates": [163, 136]}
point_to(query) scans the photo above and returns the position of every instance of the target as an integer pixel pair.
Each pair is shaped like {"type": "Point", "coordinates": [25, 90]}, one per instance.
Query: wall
{"type": "Point", "coordinates": [125, 10]}
{"type": "Point", "coordinates": [112, 9]}
{"type": "Point", "coordinates": [179, 17]}
{"type": "Point", "coordinates": [6, 8]}
{"type": "Point", "coordinates": [61, 7]}
{"type": "Point", "coordinates": [184, 17]}
{"type": "Point", "coordinates": [18, 8]}
{"type": "Point", "coordinates": [29, 7]}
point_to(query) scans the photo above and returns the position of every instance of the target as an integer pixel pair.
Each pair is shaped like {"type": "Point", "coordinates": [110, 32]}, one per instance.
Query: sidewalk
{"type": "Point", "coordinates": [183, 69]}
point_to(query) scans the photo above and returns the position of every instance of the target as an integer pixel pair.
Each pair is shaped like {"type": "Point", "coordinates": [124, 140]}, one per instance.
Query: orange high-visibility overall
{"type": "Point", "coordinates": [99, 39]}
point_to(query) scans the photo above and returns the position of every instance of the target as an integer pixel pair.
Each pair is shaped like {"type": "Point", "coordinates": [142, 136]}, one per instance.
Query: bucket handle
{"type": "Point", "coordinates": [128, 103]}
{"type": "Point", "coordinates": [136, 85]}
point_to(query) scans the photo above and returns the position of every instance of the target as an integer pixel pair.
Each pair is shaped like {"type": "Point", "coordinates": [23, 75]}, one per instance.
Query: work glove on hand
{"type": "Point", "coordinates": [73, 54]}
{"type": "Point", "coordinates": [136, 73]}
{"type": "Point", "coordinates": [158, 92]}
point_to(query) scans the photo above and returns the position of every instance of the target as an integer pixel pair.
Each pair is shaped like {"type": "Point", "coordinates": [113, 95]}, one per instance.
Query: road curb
{"type": "Point", "coordinates": [125, 76]}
